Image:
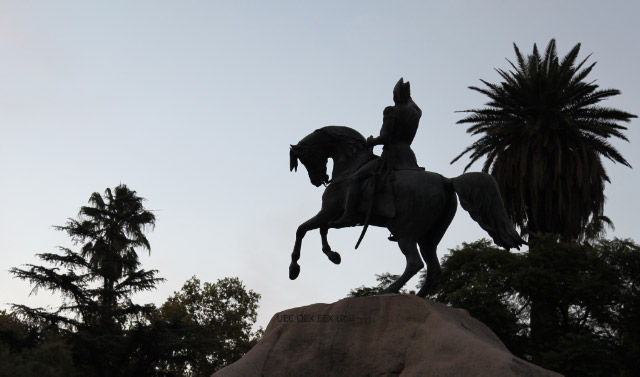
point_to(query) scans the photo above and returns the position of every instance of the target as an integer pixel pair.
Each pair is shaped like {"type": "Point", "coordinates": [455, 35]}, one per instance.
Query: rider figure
{"type": "Point", "coordinates": [399, 126]}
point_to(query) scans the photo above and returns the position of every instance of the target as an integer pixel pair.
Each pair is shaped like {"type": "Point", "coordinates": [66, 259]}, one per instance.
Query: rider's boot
{"type": "Point", "coordinates": [350, 216]}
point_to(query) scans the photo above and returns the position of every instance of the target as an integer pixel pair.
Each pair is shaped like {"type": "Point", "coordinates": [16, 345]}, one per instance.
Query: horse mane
{"type": "Point", "coordinates": [341, 134]}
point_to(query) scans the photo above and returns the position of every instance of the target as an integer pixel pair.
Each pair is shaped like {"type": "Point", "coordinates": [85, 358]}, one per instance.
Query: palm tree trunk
{"type": "Point", "coordinates": [545, 326]}
{"type": "Point", "coordinates": [545, 318]}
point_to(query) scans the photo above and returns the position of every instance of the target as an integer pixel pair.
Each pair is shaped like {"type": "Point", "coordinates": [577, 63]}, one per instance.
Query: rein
{"type": "Point", "coordinates": [358, 163]}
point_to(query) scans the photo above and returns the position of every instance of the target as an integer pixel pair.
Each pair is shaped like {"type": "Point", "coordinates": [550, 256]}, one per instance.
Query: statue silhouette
{"type": "Point", "coordinates": [415, 205]}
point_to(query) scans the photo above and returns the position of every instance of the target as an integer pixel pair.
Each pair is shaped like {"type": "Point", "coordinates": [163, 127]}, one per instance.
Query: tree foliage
{"type": "Point", "coordinates": [97, 282]}
{"type": "Point", "coordinates": [98, 330]}
{"type": "Point", "coordinates": [384, 280]}
{"type": "Point", "coordinates": [27, 350]}
{"type": "Point", "coordinates": [481, 278]}
{"type": "Point", "coordinates": [543, 135]}
{"type": "Point", "coordinates": [214, 322]}
{"type": "Point", "coordinates": [592, 290]}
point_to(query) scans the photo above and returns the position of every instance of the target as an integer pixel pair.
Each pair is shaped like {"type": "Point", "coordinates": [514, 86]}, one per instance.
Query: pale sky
{"type": "Point", "coordinates": [193, 104]}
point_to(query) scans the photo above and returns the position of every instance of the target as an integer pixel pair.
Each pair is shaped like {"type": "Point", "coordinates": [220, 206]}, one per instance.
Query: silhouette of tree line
{"type": "Point", "coordinates": [592, 288]}
{"type": "Point", "coordinates": [98, 330]}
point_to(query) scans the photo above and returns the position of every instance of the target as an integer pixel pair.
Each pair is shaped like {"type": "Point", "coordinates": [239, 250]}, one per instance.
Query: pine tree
{"type": "Point", "coordinates": [97, 282]}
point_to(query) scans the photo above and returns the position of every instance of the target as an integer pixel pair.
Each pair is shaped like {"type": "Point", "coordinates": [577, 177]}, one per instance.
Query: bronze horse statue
{"type": "Point", "coordinates": [425, 203]}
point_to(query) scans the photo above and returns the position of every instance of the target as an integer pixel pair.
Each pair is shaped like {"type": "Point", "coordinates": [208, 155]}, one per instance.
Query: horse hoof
{"type": "Point", "coordinates": [294, 271]}
{"type": "Point", "coordinates": [334, 257]}
{"type": "Point", "coordinates": [388, 291]}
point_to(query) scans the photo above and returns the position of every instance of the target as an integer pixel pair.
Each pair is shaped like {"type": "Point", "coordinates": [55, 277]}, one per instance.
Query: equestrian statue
{"type": "Point", "coordinates": [393, 192]}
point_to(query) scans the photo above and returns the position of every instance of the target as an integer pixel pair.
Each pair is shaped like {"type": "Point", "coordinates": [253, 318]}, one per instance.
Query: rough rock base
{"type": "Point", "coordinates": [391, 335]}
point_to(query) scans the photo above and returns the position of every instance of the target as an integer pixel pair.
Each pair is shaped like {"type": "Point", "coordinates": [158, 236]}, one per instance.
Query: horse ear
{"type": "Point", "coordinates": [294, 152]}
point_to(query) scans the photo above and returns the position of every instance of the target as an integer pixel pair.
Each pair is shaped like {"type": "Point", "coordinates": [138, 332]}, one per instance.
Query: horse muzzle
{"type": "Point", "coordinates": [319, 181]}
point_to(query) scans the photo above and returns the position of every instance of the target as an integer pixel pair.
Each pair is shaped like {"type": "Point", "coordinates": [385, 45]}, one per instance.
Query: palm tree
{"type": "Point", "coordinates": [97, 282]}
{"type": "Point", "coordinates": [111, 229]}
{"type": "Point", "coordinates": [543, 136]}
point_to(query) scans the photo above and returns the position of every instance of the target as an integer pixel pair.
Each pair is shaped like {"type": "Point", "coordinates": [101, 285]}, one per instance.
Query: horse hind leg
{"type": "Point", "coordinates": [414, 265]}
{"type": "Point", "coordinates": [430, 256]}
{"type": "Point", "coordinates": [429, 245]}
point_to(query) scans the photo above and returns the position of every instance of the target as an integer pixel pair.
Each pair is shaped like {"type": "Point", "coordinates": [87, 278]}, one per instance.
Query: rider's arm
{"type": "Point", "coordinates": [386, 130]}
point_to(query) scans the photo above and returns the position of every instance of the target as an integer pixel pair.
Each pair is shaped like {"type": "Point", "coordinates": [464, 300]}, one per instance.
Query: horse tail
{"type": "Point", "coordinates": [479, 195]}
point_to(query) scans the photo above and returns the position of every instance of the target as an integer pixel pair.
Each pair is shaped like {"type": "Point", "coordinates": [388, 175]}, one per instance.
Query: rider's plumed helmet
{"type": "Point", "coordinates": [401, 92]}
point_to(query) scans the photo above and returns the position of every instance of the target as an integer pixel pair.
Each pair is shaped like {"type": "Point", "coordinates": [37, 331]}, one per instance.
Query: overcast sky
{"type": "Point", "coordinates": [193, 104]}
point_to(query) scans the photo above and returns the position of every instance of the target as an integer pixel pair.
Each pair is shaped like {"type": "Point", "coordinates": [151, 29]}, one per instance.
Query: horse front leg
{"type": "Point", "coordinates": [333, 256]}
{"type": "Point", "coordinates": [319, 220]}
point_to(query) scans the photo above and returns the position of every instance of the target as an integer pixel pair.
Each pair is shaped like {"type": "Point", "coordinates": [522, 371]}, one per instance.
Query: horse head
{"type": "Point", "coordinates": [342, 144]}
{"type": "Point", "coordinates": [313, 159]}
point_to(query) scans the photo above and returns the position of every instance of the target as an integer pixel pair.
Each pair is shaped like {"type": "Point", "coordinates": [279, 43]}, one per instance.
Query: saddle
{"type": "Point", "coordinates": [381, 196]}
{"type": "Point", "coordinates": [378, 190]}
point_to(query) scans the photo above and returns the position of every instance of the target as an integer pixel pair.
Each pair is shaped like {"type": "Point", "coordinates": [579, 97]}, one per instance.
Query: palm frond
{"type": "Point", "coordinates": [542, 127]}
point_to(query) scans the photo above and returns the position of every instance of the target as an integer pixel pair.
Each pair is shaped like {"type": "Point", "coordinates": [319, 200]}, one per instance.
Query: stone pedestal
{"type": "Point", "coordinates": [391, 335]}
